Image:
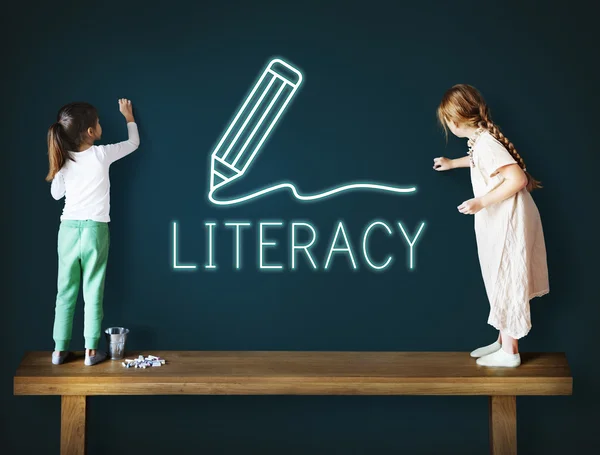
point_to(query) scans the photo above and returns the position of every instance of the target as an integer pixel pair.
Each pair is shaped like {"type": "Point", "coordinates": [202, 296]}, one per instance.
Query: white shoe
{"type": "Point", "coordinates": [94, 359]}
{"type": "Point", "coordinates": [500, 358]}
{"type": "Point", "coordinates": [485, 350]}
{"type": "Point", "coordinates": [59, 359]}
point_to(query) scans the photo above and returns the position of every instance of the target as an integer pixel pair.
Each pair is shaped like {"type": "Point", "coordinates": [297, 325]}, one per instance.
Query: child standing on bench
{"type": "Point", "coordinates": [508, 228]}
{"type": "Point", "coordinates": [79, 172]}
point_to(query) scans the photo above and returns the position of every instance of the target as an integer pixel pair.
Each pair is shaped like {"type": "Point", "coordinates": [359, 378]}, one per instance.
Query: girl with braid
{"type": "Point", "coordinates": [508, 228]}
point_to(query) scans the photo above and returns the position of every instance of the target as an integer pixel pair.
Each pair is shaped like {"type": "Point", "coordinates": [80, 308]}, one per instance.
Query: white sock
{"type": "Point", "coordinates": [500, 358]}
{"type": "Point", "coordinates": [490, 348]}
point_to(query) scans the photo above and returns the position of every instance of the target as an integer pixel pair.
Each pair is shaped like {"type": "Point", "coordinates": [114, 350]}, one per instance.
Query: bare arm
{"type": "Point", "coordinates": [461, 162]}
{"type": "Point", "coordinates": [514, 181]}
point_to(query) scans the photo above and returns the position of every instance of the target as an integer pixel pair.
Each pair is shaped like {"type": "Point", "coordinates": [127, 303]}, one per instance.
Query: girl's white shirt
{"type": "Point", "coordinates": [85, 182]}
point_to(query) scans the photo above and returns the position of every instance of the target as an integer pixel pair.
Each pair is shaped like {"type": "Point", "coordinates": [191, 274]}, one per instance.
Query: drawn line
{"type": "Point", "coordinates": [290, 186]}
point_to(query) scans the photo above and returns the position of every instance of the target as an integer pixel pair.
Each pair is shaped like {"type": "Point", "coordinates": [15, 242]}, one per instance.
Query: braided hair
{"type": "Point", "coordinates": [464, 104]}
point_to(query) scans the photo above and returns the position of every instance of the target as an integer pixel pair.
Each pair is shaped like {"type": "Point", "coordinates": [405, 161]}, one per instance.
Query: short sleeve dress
{"type": "Point", "coordinates": [510, 242]}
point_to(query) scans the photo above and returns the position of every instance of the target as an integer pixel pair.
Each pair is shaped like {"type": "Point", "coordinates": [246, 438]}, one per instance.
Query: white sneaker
{"type": "Point", "coordinates": [485, 350]}
{"type": "Point", "coordinates": [59, 359]}
{"type": "Point", "coordinates": [94, 359]}
{"type": "Point", "coordinates": [500, 358]}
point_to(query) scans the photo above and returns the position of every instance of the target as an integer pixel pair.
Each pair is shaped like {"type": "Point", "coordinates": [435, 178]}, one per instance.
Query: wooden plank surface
{"type": "Point", "coordinates": [72, 425]}
{"type": "Point", "coordinates": [503, 425]}
{"type": "Point", "coordinates": [296, 372]}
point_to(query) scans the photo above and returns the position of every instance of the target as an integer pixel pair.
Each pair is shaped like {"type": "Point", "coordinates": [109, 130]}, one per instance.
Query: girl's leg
{"type": "Point", "coordinates": [69, 276]}
{"type": "Point", "coordinates": [95, 244]}
{"type": "Point", "coordinates": [509, 344]}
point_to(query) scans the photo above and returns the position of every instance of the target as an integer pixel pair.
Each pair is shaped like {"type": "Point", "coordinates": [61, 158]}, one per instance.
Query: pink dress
{"type": "Point", "coordinates": [510, 242]}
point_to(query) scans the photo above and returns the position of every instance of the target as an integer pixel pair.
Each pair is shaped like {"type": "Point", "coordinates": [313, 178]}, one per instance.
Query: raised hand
{"type": "Point", "coordinates": [126, 109]}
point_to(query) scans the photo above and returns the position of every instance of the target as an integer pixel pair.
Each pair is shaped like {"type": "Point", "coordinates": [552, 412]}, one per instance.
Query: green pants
{"type": "Point", "coordinates": [82, 253]}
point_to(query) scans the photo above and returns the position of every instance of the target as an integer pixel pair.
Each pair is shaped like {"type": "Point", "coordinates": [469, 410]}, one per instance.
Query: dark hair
{"type": "Point", "coordinates": [72, 123]}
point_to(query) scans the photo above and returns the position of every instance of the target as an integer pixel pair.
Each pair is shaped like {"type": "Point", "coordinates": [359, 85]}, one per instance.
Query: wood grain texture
{"type": "Point", "coordinates": [296, 373]}
{"type": "Point", "coordinates": [503, 425]}
{"type": "Point", "coordinates": [72, 425]}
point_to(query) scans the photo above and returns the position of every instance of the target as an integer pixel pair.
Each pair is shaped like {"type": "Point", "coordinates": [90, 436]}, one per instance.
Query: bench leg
{"type": "Point", "coordinates": [503, 425]}
{"type": "Point", "coordinates": [72, 424]}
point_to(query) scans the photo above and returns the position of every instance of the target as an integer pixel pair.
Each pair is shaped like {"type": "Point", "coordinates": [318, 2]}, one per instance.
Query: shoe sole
{"type": "Point", "coordinates": [500, 366]}
{"type": "Point", "coordinates": [478, 356]}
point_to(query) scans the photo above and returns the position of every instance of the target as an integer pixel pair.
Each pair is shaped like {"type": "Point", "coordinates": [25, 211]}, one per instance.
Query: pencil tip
{"type": "Point", "coordinates": [216, 180]}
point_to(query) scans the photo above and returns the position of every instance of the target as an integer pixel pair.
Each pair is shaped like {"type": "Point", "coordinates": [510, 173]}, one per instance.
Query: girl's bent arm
{"type": "Point", "coordinates": [514, 181]}
{"type": "Point", "coordinates": [461, 162]}
{"type": "Point", "coordinates": [117, 151]}
{"type": "Point", "coordinates": [57, 189]}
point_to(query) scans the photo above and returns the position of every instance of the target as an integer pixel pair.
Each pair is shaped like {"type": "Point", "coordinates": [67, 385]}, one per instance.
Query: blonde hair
{"type": "Point", "coordinates": [464, 105]}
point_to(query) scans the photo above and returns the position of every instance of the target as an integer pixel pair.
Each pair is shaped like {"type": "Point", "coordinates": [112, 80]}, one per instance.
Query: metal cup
{"type": "Point", "coordinates": [115, 338]}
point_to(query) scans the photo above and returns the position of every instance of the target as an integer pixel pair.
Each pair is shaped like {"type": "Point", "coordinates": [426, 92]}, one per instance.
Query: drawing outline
{"type": "Point", "coordinates": [251, 130]}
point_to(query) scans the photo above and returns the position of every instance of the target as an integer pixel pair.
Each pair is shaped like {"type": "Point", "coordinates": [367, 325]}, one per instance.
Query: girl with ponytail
{"type": "Point", "coordinates": [508, 228]}
{"type": "Point", "coordinates": [79, 172]}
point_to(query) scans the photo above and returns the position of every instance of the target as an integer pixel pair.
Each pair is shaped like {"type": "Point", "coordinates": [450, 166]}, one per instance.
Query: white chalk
{"type": "Point", "coordinates": [144, 362]}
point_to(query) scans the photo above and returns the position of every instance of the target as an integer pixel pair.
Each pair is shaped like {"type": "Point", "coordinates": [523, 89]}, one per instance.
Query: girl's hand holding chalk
{"type": "Point", "coordinates": [442, 164]}
{"type": "Point", "coordinates": [126, 109]}
{"type": "Point", "coordinates": [471, 207]}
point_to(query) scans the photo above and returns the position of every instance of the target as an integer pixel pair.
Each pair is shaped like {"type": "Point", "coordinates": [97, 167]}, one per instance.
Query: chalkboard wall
{"type": "Point", "coordinates": [374, 73]}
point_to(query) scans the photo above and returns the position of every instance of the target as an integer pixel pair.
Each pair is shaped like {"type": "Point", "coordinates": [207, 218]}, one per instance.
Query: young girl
{"type": "Point", "coordinates": [508, 229]}
{"type": "Point", "coordinates": [79, 171]}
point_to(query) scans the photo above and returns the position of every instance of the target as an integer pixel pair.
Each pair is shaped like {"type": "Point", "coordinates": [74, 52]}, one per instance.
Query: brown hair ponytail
{"type": "Point", "coordinates": [73, 121]}
{"type": "Point", "coordinates": [464, 105]}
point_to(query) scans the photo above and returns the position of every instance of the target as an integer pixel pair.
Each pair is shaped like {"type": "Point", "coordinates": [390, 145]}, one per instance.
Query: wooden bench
{"type": "Point", "coordinates": [296, 373]}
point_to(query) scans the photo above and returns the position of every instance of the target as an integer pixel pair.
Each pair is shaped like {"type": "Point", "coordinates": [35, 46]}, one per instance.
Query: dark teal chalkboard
{"type": "Point", "coordinates": [374, 73]}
